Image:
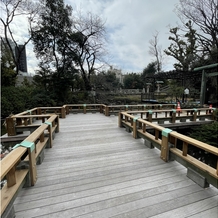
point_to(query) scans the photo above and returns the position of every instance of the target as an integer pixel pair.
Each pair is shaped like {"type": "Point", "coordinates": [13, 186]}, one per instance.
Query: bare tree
{"type": "Point", "coordinates": [89, 35]}
{"type": "Point", "coordinates": [12, 9]}
{"type": "Point", "coordinates": [156, 51]}
{"type": "Point", "coordinates": [204, 15]}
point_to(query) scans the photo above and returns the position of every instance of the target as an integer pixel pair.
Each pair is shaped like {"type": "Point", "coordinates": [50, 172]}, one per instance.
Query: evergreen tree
{"type": "Point", "coordinates": [50, 40]}
{"type": "Point", "coordinates": [133, 81]}
{"type": "Point", "coordinates": [183, 48]}
{"type": "Point", "coordinates": [8, 73]}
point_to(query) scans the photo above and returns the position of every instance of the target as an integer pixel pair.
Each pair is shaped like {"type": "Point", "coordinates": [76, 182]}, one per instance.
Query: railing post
{"type": "Point", "coordinates": [173, 117]}
{"type": "Point", "coordinates": [10, 126]}
{"type": "Point", "coordinates": [32, 159]}
{"type": "Point", "coordinates": [149, 115]}
{"type": "Point", "coordinates": [120, 117]}
{"type": "Point", "coordinates": [49, 131]}
{"type": "Point", "coordinates": [18, 121]}
{"type": "Point", "coordinates": [107, 111]}
{"type": "Point", "coordinates": [156, 134]}
{"type": "Point", "coordinates": [42, 137]}
{"type": "Point", "coordinates": [164, 145]}
{"type": "Point", "coordinates": [67, 110]}
{"type": "Point", "coordinates": [57, 123]}
{"type": "Point", "coordinates": [101, 109]}
{"type": "Point", "coordinates": [195, 114]}
{"type": "Point", "coordinates": [11, 178]}
{"type": "Point", "coordinates": [126, 108]}
{"type": "Point", "coordinates": [139, 125]}
{"type": "Point", "coordinates": [185, 149]}
{"type": "Point", "coordinates": [144, 127]}
{"type": "Point", "coordinates": [63, 112]}
{"type": "Point", "coordinates": [39, 111]}
{"type": "Point", "coordinates": [32, 162]}
{"type": "Point", "coordinates": [135, 135]}
{"type": "Point", "coordinates": [214, 113]}
{"type": "Point", "coordinates": [84, 108]}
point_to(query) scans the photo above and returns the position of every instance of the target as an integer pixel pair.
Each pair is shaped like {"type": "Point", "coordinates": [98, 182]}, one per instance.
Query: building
{"type": "Point", "coordinates": [118, 74]}
{"type": "Point", "coordinates": [20, 53]}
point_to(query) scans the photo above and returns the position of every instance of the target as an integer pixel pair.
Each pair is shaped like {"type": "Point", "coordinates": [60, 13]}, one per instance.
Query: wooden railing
{"type": "Point", "coordinates": [115, 109]}
{"type": "Point", "coordinates": [25, 121]}
{"type": "Point", "coordinates": [19, 166]}
{"type": "Point", "coordinates": [108, 110]}
{"type": "Point", "coordinates": [83, 108]}
{"type": "Point", "coordinates": [174, 115]}
{"type": "Point", "coordinates": [166, 140]}
{"type": "Point", "coordinates": [56, 110]}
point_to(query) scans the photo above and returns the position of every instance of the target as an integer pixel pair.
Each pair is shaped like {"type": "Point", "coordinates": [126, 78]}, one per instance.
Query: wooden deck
{"type": "Point", "coordinates": [96, 169]}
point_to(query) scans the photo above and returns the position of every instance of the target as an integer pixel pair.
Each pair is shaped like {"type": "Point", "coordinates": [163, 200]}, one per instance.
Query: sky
{"type": "Point", "coordinates": [130, 25]}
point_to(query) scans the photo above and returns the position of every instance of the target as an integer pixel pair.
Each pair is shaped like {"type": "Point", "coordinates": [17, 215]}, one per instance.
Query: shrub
{"type": "Point", "coordinates": [14, 100]}
{"type": "Point", "coordinates": [206, 133]}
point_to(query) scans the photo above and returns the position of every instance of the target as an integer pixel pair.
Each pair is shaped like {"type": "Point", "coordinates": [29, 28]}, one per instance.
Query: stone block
{"type": "Point", "coordinates": [148, 143]}
{"type": "Point", "coordinates": [183, 120]}
{"type": "Point", "coordinates": [197, 178]}
{"type": "Point", "coordinates": [53, 135]}
{"type": "Point", "coordinates": [202, 118]}
{"type": "Point", "coordinates": [40, 157]}
{"type": "Point", "coordinates": [128, 129]}
{"type": "Point", "coordinates": [160, 121]}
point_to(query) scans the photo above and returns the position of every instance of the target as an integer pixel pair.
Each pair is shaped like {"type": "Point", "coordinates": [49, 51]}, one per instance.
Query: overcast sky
{"type": "Point", "coordinates": [130, 24]}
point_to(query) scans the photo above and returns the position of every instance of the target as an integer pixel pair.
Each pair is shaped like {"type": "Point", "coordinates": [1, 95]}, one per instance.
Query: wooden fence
{"type": "Point", "coordinates": [19, 166]}
{"type": "Point", "coordinates": [18, 123]}
{"type": "Point", "coordinates": [174, 115]}
{"type": "Point", "coordinates": [166, 140]}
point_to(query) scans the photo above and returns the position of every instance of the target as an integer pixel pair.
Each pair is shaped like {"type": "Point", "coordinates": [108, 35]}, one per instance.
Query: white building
{"type": "Point", "coordinates": [118, 74]}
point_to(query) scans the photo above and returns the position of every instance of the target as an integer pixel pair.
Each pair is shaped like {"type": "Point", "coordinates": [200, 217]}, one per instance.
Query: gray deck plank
{"type": "Point", "coordinates": [96, 169]}
{"type": "Point", "coordinates": [193, 208]}
{"type": "Point", "coordinates": [152, 204]}
{"type": "Point", "coordinates": [209, 213]}
{"type": "Point", "coordinates": [108, 203]}
{"type": "Point", "coordinates": [104, 185]}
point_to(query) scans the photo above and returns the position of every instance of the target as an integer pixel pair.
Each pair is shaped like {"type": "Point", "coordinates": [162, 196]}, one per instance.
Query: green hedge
{"type": "Point", "coordinates": [17, 99]}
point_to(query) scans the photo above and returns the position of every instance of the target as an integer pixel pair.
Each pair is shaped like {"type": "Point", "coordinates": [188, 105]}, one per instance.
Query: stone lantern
{"type": "Point", "coordinates": [158, 83]}
{"type": "Point", "coordinates": [148, 85]}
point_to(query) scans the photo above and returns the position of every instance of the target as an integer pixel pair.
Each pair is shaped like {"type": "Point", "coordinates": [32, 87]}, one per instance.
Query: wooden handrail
{"type": "Point", "coordinates": [26, 112]}
{"type": "Point", "coordinates": [196, 162]}
{"type": "Point", "coordinates": [11, 160]}
{"type": "Point", "coordinates": [172, 137]}
{"type": "Point", "coordinates": [29, 146]}
{"type": "Point", "coordinates": [33, 116]}
{"type": "Point", "coordinates": [206, 147]}
{"type": "Point", "coordinates": [138, 126]}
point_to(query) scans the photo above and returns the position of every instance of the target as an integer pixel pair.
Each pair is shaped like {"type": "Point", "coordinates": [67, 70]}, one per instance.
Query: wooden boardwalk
{"type": "Point", "coordinates": [96, 169]}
